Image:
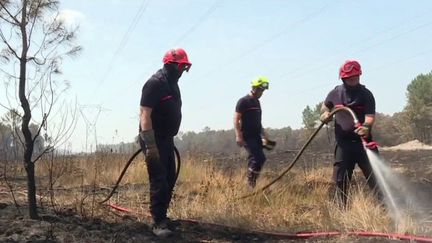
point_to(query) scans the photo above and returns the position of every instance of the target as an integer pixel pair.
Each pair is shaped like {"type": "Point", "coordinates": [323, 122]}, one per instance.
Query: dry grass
{"type": "Point", "coordinates": [299, 202]}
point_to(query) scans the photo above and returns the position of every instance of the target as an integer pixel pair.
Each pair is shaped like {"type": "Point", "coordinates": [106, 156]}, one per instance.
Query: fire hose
{"type": "Point", "coordinates": [368, 144]}
{"type": "Point", "coordinates": [300, 235]}
{"type": "Point", "coordinates": [177, 154]}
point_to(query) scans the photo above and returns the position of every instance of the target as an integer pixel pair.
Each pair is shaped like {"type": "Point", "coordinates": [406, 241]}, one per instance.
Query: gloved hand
{"type": "Point", "coordinates": [325, 117]}
{"type": "Point", "coordinates": [363, 130]}
{"type": "Point", "coordinates": [152, 152]}
{"type": "Point", "coordinates": [268, 144]}
{"type": "Point", "coordinates": [240, 142]}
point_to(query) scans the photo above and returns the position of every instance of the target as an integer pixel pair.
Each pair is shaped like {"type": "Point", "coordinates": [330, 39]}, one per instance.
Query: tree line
{"type": "Point", "coordinates": [413, 122]}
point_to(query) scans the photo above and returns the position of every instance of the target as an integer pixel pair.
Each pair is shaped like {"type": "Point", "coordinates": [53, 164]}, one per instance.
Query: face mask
{"type": "Point", "coordinates": [172, 72]}
{"type": "Point", "coordinates": [352, 88]}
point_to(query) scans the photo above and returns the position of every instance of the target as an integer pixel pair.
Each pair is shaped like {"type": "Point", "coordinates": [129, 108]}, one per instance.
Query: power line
{"type": "Point", "coordinates": [370, 47]}
{"type": "Point", "coordinates": [202, 19]}
{"type": "Point", "coordinates": [259, 45]}
{"type": "Point", "coordinates": [395, 37]}
{"type": "Point", "coordinates": [331, 59]}
{"type": "Point", "coordinates": [213, 7]}
{"type": "Point", "coordinates": [401, 60]}
{"type": "Point", "coordinates": [199, 22]}
{"type": "Point", "coordinates": [140, 12]}
{"type": "Point", "coordinates": [123, 42]}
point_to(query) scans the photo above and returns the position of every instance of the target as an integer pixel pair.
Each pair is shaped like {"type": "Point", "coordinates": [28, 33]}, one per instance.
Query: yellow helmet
{"type": "Point", "coordinates": [261, 82]}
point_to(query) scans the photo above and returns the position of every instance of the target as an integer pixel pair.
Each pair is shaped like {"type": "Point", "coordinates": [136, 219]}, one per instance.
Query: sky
{"type": "Point", "coordinates": [298, 45]}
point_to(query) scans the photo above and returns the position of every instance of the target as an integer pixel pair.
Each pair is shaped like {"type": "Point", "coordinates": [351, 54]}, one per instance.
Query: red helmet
{"type": "Point", "coordinates": [177, 55]}
{"type": "Point", "coordinates": [350, 68]}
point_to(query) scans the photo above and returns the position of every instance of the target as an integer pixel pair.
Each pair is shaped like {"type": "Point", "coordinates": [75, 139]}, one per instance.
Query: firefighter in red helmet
{"type": "Point", "coordinates": [160, 118]}
{"type": "Point", "coordinates": [349, 148]}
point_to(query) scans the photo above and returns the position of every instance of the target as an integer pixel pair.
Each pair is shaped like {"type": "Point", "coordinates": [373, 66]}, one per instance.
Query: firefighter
{"type": "Point", "coordinates": [160, 118]}
{"type": "Point", "coordinates": [349, 148]}
{"type": "Point", "coordinates": [249, 131]}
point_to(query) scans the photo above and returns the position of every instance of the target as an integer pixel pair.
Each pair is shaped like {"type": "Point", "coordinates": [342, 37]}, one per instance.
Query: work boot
{"type": "Point", "coordinates": [172, 224]}
{"type": "Point", "coordinates": [252, 178]}
{"type": "Point", "coordinates": [252, 183]}
{"type": "Point", "coordinates": [341, 194]}
{"type": "Point", "coordinates": [161, 229]}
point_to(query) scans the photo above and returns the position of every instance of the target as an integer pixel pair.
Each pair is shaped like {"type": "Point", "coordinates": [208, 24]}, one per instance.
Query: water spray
{"type": "Point", "coordinates": [376, 164]}
{"type": "Point", "coordinates": [391, 184]}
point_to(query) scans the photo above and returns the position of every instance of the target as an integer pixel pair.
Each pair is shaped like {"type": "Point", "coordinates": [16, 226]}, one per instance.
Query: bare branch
{"type": "Point", "coordinates": [45, 35]}
{"type": "Point", "coordinates": [38, 62]}
{"type": "Point", "coordinates": [46, 150]}
{"type": "Point", "coordinates": [10, 186]}
{"type": "Point", "coordinates": [33, 23]}
{"type": "Point", "coordinates": [66, 131]}
{"type": "Point", "coordinates": [39, 84]}
{"type": "Point", "coordinates": [8, 45]}
{"type": "Point", "coordinates": [74, 51]}
{"type": "Point", "coordinates": [9, 13]}
{"type": "Point", "coordinates": [8, 75]}
{"type": "Point", "coordinates": [11, 110]}
{"type": "Point", "coordinates": [51, 104]}
{"type": "Point", "coordinates": [7, 20]}
{"type": "Point", "coordinates": [5, 55]}
{"type": "Point", "coordinates": [7, 96]}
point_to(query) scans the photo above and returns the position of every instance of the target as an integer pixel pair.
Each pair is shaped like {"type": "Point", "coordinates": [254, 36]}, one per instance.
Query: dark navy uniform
{"type": "Point", "coordinates": [349, 149]}
{"type": "Point", "coordinates": [161, 93]}
{"type": "Point", "coordinates": [251, 127]}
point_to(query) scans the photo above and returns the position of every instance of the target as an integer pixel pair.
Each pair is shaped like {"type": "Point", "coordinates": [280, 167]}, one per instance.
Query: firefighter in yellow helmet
{"type": "Point", "coordinates": [249, 131]}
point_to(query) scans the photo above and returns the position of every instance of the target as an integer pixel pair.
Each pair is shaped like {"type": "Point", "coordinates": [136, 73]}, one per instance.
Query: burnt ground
{"type": "Point", "coordinates": [69, 227]}
{"type": "Point", "coordinates": [66, 225]}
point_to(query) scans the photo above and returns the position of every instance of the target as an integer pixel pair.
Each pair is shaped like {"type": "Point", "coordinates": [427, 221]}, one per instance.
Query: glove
{"type": "Point", "coordinates": [240, 142]}
{"type": "Point", "coordinates": [325, 117]}
{"type": "Point", "coordinates": [372, 145]}
{"type": "Point", "coordinates": [152, 152]}
{"type": "Point", "coordinates": [363, 130]}
{"type": "Point", "coordinates": [268, 144]}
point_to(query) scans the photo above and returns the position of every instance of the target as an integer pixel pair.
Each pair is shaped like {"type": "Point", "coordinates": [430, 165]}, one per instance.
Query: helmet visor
{"type": "Point", "coordinates": [264, 85]}
{"type": "Point", "coordinates": [184, 66]}
{"type": "Point", "coordinates": [350, 67]}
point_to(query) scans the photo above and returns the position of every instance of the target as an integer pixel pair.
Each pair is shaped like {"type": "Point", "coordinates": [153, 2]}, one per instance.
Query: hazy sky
{"type": "Point", "coordinates": [298, 45]}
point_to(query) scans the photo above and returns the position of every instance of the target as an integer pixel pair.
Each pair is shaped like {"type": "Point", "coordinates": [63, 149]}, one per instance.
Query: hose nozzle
{"type": "Point", "coordinates": [370, 145]}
